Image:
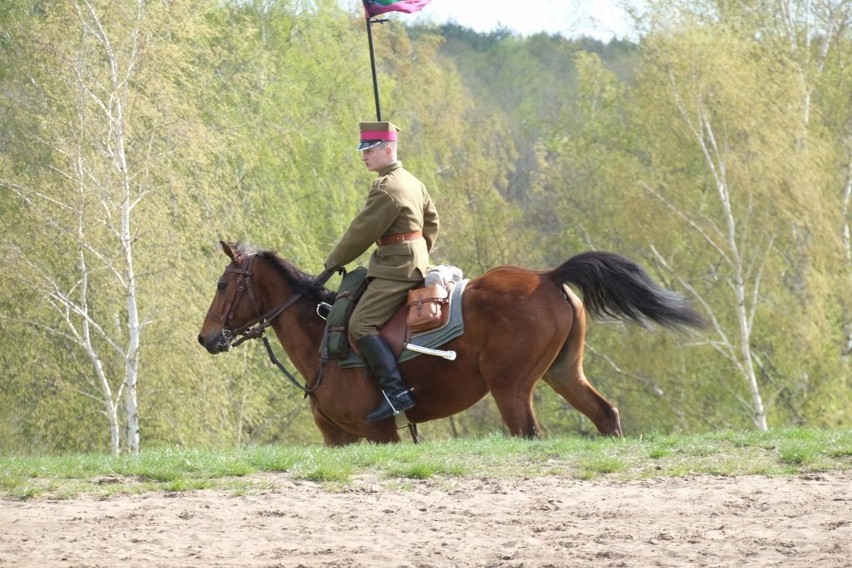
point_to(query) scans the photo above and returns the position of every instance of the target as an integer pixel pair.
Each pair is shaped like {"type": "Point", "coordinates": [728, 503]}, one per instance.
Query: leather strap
{"type": "Point", "coordinates": [399, 238]}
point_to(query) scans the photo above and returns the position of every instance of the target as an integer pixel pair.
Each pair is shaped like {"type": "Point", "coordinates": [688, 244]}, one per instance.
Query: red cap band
{"type": "Point", "coordinates": [388, 135]}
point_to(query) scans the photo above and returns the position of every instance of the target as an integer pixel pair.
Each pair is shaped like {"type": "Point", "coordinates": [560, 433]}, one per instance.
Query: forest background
{"type": "Point", "coordinates": [715, 150]}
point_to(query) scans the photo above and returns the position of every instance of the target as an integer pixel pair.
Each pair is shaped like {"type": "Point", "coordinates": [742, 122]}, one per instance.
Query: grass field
{"type": "Point", "coordinates": [775, 453]}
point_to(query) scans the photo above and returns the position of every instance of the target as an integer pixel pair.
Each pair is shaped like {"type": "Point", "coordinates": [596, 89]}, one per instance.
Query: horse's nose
{"type": "Point", "coordinates": [200, 339]}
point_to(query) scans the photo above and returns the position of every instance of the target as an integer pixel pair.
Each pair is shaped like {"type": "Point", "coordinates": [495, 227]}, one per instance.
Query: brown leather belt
{"type": "Point", "coordinates": [398, 238]}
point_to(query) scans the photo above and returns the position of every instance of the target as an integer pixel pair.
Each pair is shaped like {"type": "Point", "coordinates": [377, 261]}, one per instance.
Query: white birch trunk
{"type": "Point", "coordinates": [110, 407]}
{"type": "Point", "coordinates": [745, 302]}
{"type": "Point", "coordinates": [716, 160]}
{"type": "Point", "coordinates": [134, 330]}
{"type": "Point", "coordinates": [130, 197]}
{"type": "Point", "coordinates": [742, 307]}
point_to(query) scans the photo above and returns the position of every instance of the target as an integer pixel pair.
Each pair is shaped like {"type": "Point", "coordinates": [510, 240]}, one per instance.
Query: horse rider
{"type": "Point", "coordinates": [401, 219]}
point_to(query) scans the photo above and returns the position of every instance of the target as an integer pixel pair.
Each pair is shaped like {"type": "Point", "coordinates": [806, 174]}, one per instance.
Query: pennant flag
{"type": "Point", "coordinates": [376, 7]}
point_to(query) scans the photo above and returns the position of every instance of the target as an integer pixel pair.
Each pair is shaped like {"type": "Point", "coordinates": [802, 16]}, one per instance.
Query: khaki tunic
{"type": "Point", "coordinates": [397, 203]}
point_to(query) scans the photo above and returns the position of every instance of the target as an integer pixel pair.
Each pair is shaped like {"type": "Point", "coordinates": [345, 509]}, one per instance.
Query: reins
{"type": "Point", "coordinates": [256, 327]}
{"type": "Point", "coordinates": [306, 388]}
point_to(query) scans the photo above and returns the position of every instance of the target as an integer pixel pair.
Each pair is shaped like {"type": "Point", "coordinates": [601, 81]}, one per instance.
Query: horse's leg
{"type": "Point", "coordinates": [512, 389]}
{"type": "Point", "coordinates": [334, 436]}
{"type": "Point", "coordinates": [568, 380]}
{"type": "Point", "coordinates": [517, 412]}
{"type": "Point", "coordinates": [566, 377]}
{"type": "Point", "coordinates": [520, 352]}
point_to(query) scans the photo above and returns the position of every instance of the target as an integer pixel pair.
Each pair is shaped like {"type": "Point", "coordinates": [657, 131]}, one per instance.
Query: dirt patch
{"type": "Point", "coordinates": [535, 523]}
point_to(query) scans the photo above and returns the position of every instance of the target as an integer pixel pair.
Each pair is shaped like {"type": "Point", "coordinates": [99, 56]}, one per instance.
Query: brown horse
{"type": "Point", "coordinates": [519, 326]}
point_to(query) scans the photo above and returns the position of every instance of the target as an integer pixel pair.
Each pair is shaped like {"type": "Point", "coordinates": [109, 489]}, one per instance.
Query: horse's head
{"type": "Point", "coordinates": [250, 295]}
{"type": "Point", "coordinates": [230, 312]}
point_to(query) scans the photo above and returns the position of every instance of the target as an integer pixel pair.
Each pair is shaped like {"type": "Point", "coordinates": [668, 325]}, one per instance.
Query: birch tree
{"type": "Point", "coordinates": [812, 38]}
{"type": "Point", "coordinates": [100, 127]}
{"type": "Point", "coordinates": [747, 82]}
{"type": "Point", "coordinates": [703, 167]}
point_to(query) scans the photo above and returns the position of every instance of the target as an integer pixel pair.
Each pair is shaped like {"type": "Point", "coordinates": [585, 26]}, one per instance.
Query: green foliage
{"type": "Point", "coordinates": [101, 158]}
{"type": "Point", "coordinates": [643, 163]}
{"type": "Point", "coordinates": [240, 124]}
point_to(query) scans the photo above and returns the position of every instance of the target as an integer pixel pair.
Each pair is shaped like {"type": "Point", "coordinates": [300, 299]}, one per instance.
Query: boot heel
{"type": "Point", "coordinates": [391, 406]}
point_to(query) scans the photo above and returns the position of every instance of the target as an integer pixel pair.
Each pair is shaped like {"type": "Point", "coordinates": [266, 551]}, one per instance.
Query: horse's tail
{"type": "Point", "coordinates": [617, 287]}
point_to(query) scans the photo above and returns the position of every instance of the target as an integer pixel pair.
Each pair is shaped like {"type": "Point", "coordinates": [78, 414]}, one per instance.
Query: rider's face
{"type": "Point", "coordinates": [377, 157]}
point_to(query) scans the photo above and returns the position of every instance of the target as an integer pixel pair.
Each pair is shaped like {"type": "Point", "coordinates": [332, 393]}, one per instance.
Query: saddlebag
{"type": "Point", "coordinates": [425, 308]}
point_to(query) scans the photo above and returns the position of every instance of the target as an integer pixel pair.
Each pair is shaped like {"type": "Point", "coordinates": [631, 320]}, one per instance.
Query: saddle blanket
{"type": "Point", "coordinates": [434, 338]}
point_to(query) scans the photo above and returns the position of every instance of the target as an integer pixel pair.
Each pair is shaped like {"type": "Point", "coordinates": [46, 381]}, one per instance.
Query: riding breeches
{"type": "Point", "coordinates": [377, 305]}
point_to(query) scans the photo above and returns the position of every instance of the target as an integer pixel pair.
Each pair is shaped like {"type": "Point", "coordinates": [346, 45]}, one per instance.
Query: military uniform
{"type": "Point", "coordinates": [400, 218]}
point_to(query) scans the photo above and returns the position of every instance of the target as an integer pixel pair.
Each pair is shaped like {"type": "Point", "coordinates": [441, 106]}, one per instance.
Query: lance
{"type": "Point", "coordinates": [370, 22]}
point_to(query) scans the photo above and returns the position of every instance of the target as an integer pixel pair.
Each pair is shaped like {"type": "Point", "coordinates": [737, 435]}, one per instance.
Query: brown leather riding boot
{"type": "Point", "coordinates": [397, 396]}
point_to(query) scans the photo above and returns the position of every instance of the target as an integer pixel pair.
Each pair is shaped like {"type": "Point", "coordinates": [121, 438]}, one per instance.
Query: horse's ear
{"type": "Point", "coordinates": [230, 250]}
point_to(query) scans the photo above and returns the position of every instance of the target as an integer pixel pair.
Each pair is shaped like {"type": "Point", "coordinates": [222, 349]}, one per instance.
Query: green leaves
{"type": "Point", "coordinates": [237, 121]}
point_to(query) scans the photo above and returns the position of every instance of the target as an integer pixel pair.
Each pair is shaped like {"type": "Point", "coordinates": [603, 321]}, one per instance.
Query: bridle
{"type": "Point", "coordinates": [256, 326]}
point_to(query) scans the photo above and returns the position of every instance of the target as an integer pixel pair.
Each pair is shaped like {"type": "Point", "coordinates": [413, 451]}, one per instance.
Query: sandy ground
{"type": "Point", "coordinates": [537, 523]}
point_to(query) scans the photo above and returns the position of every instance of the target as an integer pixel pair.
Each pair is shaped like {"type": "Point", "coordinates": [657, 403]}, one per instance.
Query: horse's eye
{"type": "Point", "coordinates": [222, 285]}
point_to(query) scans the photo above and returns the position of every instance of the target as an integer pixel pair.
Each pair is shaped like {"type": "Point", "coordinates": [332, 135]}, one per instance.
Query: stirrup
{"type": "Point", "coordinates": [387, 409]}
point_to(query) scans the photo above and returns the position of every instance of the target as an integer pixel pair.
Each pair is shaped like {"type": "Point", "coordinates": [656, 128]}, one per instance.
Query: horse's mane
{"type": "Point", "coordinates": [298, 280]}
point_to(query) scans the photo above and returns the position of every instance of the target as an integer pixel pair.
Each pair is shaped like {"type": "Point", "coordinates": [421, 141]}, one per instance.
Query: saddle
{"type": "Point", "coordinates": [426, 310]}
{"type": "Point", "coordinates": [421, 313]}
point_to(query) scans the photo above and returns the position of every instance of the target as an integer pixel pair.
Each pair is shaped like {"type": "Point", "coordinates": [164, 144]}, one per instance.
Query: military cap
{"type": "Point", "coordinates": [374, 133]}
